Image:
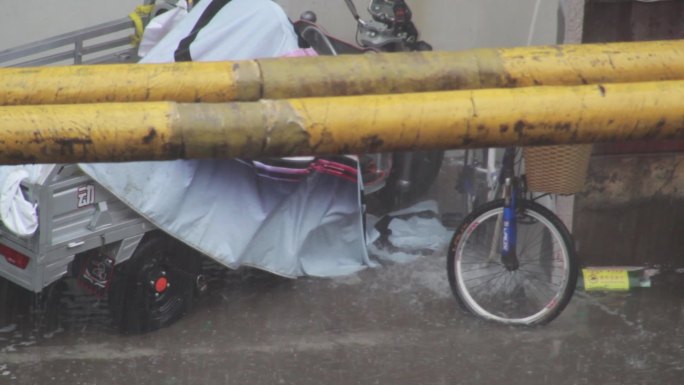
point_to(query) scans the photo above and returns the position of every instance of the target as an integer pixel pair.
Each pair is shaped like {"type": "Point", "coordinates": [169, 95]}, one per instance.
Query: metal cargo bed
{"type": "Point", "coordinates": [75, 215]}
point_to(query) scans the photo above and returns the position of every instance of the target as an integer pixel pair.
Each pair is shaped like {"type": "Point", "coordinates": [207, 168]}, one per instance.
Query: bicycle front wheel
{"type": "Point", "coordinates": [535, 292]}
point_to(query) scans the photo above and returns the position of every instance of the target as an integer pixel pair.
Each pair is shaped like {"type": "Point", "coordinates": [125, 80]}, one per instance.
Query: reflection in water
{"type": "Point", "coordinates": [389, 325]}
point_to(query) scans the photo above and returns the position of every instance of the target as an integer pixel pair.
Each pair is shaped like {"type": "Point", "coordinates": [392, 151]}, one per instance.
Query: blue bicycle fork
{"type": "Point", "coordinates": [509, 232]}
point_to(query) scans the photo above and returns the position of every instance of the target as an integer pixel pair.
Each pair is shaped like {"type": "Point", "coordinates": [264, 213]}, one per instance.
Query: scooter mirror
{"type": "Point", "coordinates": [352, 9]}
{"type": "Point", "coordinates": [309, 16]}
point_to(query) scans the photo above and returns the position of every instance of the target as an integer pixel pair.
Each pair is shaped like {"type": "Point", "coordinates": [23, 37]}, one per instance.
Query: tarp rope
{"type": "Point", "coordinates": [136, 17]}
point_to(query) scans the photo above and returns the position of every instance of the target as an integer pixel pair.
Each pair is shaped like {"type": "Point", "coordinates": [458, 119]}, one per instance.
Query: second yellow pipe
{"type": "Point", "coordinates": [342, 125]}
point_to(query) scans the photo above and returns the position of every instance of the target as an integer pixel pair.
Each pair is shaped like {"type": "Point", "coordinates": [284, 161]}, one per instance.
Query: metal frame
{"type": "Point", "coordinates": [73, 47]}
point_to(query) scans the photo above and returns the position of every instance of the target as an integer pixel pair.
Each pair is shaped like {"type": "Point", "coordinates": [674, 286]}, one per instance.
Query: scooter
{"type": "Point", "coordinates": [397, 179]}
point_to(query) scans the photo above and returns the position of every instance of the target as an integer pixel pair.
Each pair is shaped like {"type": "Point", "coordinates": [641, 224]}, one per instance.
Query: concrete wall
{"type": "Point", "coordinates": [463, 24]}
{"type": "Point", "coordinates": [633, 21]}
{"type": "Point", "coordinates": [630, 212]}
{"type": "Point", "coordinates": [447, 24]}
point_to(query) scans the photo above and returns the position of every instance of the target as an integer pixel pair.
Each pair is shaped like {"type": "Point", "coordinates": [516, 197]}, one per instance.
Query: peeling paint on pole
{"type": "Point", "coordinates": [50, 134]}
{"type": "Point", "coordinates": [342, 125]}
{"type": "Point", "coordinates": [184, 82]}
{"type": "Point", "coordinates": [384, 73]}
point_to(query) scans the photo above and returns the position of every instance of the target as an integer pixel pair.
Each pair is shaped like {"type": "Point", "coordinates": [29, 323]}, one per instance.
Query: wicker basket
{"type": "Point", "coordinates": [557, 169]}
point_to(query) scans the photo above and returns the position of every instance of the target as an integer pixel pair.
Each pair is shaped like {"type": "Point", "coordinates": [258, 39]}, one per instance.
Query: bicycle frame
{"type": "Point", "coordinates": [509, 229]}
{"type": "Point", "coordinates": [506, 224]}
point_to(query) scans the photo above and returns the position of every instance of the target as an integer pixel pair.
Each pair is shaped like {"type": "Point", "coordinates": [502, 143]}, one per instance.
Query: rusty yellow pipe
{"type": "Point", "coordinates": [182, 82]}
{"type": "Point", "coordinates": [474, 69]}
{"type": "Point", "coordinates": [342, 125]}
{"type": "Point", "coordinates": [344, 75]}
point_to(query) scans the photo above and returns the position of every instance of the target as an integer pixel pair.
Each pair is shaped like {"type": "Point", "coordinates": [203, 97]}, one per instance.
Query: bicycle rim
{"type": "Point", "coordinates": [533, 294]}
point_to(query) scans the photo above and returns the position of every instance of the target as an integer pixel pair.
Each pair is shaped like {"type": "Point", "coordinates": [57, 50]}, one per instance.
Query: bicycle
{"type": "Point", "coordinates": [512, 260]}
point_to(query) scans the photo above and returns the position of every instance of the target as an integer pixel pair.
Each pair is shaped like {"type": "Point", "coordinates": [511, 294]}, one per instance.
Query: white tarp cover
{"type": "Point", "coordinates": [289, 218]}
{"type": "Point", "coordinates": [17, 214]}
{"type": "Point", "coordinates": [242, 29]}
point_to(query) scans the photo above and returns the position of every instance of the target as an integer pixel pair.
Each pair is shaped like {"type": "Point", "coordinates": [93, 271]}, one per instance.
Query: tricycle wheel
{"type": "Point", "coordinates": [156, 286]}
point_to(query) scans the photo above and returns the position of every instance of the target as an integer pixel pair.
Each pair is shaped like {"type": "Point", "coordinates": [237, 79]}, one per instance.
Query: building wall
{"type": "Point", "coordinates": [25, 21]}
{"type": "Point", "coordinates": [447, 24]}
{"type": "Point", "coordinates": [463, 24]}
{"type": "Point", "coordinates": [633, 20]}
{"type": "Point", "coordinates": [630, 211]}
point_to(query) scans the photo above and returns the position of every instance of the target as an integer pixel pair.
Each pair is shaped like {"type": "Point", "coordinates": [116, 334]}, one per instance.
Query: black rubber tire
{"type": "Point", "coordinates": [466, 230]}
{"type": "Point", "coordinates": [425, 167]}
{"type": "Point", "coordinates": [133, 301]}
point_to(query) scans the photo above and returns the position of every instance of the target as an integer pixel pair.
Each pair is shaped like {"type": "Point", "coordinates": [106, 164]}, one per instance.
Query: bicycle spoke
{"type": "Point", "coordinates": [537, 279]}
{"type": "Point", "coordinates": [496, 289]}
{"type": "Point", "coordinates": [480, 263]}
{"type": "Point", "coordinates": [486, 288]}
{"type": "Point", "coordinates": [515, 296]}
{"type": "Point", "coordinates": [535, 290]}
{"type": "Point", "coordinates": [479, 277]}
{"type": "Point", "coordinates": [522, 256]}
{"type": "Point", "coordinates": [490, 302]}
{"type": "Point", "coordinates": [543, 297]}
{"type": "Point", "coordinates": [523, 251]}
{"type": "Point", "coordinates": [470, 272]}
{"type": "Point", "coordinates": [559, 276]}
{"type": "Point", "coordinates": [488, 281]}
{"type": "Point", "coordinates": [539, 262]}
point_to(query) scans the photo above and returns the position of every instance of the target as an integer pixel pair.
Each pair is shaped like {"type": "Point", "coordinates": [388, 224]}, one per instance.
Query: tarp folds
{"type": "Point", "coordinates": [289, 220]}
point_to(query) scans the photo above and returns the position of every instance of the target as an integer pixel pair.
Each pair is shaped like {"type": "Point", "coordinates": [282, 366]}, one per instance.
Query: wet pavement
{"type": "Point", "coordinates": [392, 325]}
{"type": "Point", "coordinates": [396, 324]}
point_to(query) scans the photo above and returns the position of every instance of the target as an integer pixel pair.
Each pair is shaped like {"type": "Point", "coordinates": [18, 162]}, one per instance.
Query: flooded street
{"type": "Point", "coordinates": [392, 325]}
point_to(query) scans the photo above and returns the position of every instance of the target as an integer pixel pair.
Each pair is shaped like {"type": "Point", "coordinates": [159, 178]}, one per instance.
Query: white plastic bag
{"type": "Point", "coordinates": [241, 30]}
{"type": "Point", "coordinates": [18, 215]}
{"type": "Point", "coordinates": [160, 25]}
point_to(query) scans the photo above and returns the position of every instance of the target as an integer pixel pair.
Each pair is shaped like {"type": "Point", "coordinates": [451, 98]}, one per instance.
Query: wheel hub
{"type": "Point", "coordinates": [161, 284]}
{"type": "Point", "coordinates": [510, 262]}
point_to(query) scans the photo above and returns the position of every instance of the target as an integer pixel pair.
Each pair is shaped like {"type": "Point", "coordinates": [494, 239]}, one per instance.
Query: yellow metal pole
{"type": "Point", "coordinates": [183, 82]}
{"type": "Point", "coordinates": [474, 69]}
{"type": "Point", "coordinates": [342, 125]}
{"type": "Point", "coordinates": [345, 75]}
